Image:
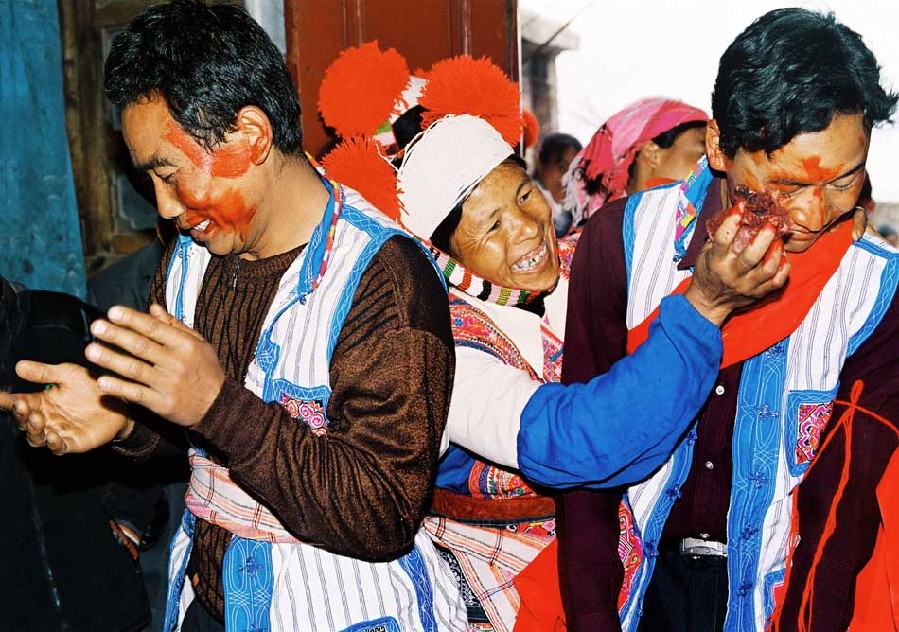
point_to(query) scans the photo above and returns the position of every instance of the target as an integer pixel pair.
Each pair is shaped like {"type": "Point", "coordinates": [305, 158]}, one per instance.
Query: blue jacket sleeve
{"type": "Point", "coordinates": [620, 426]}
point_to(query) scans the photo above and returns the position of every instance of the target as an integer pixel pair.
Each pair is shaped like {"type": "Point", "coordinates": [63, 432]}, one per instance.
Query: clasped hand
{"type": "Point", "coordinates": [154, 361]}
{"type": "Point", "coordinates": [728, 278]}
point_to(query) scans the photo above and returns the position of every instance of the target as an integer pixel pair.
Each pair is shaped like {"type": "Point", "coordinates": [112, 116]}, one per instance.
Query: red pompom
{"type": "Point", "coordinates": [360, 89]}
{"type": "Point", "coordinates": [463, 85]}
{"type": "Point", "coordinates": [357, 162]}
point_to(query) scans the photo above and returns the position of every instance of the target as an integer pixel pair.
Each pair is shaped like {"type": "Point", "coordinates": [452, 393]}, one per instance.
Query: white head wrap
{"type": "Point", "coordinates": [442, 166]}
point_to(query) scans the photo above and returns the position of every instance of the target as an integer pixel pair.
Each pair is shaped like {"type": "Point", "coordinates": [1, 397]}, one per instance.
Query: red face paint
{"type": "Point", "coordinates": [231, 163]}
{"type": "Point", "coordinates": [227, 162]}
{"type": "Point", "coordinates": [227, 209]}
{"type": "Point", "coordinates": [815, 173]}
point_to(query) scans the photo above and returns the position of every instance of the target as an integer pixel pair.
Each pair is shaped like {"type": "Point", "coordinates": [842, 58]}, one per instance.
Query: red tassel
{"type": "Point", "coordinates": [357, 162]}
{"type": "Point", "coordinates": [531, 129]}
{"type": "Point", "coordinates": [360, 89]}
{"type": "Point", "coordinates": [463, 85]}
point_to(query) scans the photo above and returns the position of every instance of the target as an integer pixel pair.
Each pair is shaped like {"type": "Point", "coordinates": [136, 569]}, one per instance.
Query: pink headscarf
{"type": "Point", "coordinates": [610, 152]}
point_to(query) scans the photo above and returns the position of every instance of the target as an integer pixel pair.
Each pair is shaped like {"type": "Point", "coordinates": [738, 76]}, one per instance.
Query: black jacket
{"type": "Point", "coordinates": [63, 569]}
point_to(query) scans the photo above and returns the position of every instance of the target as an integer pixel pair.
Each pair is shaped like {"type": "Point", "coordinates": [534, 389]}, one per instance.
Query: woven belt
{"type": "Point", "coordinates": [702, 548]}
{"type": "Point", "coordinates": [491, 511]}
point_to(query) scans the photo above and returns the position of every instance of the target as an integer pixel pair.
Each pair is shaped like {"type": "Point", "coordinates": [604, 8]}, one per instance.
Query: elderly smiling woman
{"type": "Point", "coordinates": [511, 424]}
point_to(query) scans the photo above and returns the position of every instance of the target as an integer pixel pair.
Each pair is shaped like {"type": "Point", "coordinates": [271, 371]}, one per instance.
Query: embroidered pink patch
{"type": "Point", "coordinates": [630, 551]}
{"type": "Point", "coordinates": [490, 481]}
{"type": "Point", "coordinates": [309, 411]}
{"type": "Point", "coordinates": [812, 420]}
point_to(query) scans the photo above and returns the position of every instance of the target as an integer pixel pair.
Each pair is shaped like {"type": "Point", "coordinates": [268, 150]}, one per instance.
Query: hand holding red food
{"type": "Point", "coordinates": [743, 260]}
{"type": "Point", "coordinates": [756, 210]}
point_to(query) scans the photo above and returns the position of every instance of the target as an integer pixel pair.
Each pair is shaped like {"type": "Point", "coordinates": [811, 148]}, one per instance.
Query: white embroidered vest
{"type": "Point", "coordinates": [275, 582]}
{"type": "Point", "coordinates": [785, 399]}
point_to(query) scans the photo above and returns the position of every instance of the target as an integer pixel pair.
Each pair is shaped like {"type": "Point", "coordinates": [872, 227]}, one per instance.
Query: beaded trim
{"type": "Point", "coordinates": [462, 279]}
{"type": "Point", "coordinates": [690, 189]}
{"type": "Point", "coordinates": [339, 198]}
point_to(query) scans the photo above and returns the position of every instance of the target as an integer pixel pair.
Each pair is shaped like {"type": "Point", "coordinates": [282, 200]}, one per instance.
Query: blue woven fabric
{"type": "Point", "coordinates": [40, 238]}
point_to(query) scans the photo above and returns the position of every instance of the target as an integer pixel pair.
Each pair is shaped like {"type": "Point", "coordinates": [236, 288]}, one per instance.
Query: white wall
{"type": "Point", "coordinates": [634, 49]}
{"type": "Point", "coordinates": [270, 14]}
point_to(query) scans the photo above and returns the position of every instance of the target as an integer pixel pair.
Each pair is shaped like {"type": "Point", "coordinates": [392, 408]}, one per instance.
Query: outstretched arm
{"type": "Point", "coordinates": [618, 427]}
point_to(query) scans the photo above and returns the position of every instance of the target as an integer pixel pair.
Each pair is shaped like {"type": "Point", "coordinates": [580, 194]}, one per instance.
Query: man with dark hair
{"type": "Point", "coordinates": [767, 511]}
{"type": "Point", "coordinates": [308, 352]}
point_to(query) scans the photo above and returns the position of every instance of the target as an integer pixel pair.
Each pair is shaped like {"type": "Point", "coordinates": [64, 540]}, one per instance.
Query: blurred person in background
{"type": "Point", "coordinates": [650, 142]}
{"type": "Point", "coordinates": [554, 157]}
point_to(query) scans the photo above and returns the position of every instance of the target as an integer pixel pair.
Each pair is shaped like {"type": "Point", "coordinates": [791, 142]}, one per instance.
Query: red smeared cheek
{"type": "Point", "coordinates": [222, 163]}
{"type": "Point", "coordinates": [231, 163]}
{"type": "Point", "coordinates": [191, 148]}
{"type": "Point", "coordinates": [227, 209]}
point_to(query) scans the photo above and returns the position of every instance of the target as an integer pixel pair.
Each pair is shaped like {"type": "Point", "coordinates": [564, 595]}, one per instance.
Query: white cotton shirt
{"type": "Point", "coordinates": [489, 395]}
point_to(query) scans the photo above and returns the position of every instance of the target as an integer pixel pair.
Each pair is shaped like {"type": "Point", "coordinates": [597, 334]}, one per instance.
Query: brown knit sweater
{"type": "Point", "coordinates": [360, 490]}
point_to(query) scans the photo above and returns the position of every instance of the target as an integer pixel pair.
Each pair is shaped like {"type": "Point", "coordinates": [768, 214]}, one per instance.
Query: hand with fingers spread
{"type": "Point", "coordinates": [728, 277]}
{"type": "Point", "coordinates": [157, 362]}
{"type": "Point", "coordinates": [71, 415]}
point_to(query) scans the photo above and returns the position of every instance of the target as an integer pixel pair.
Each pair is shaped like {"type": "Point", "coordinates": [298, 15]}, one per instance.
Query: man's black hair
{"type": "Point", "coordinates": [789, 73]}
{"type": "Point", "coordinates": [553, 147]}
{"type": "Point", "coordinates": [207, 63]}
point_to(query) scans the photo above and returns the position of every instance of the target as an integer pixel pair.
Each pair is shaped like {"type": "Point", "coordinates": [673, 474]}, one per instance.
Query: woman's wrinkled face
{"type": "Point", "coordinates": [506, 232]}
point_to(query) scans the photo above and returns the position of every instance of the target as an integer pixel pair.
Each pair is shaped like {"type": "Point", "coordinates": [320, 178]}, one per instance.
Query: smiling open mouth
{"type": "Point", "coordinates": [201, 227]}
{"type": "Point", "coordinates": [197, 230]}
{"type": "Point", "coordinates": [532, 260]}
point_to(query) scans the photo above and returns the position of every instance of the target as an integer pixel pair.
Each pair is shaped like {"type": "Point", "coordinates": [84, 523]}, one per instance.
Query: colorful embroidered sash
{"type": "Point", "coordinates": [463, 279]}
{"type": "Point", "coordinates": [491, 557]}
{"type": "Point", "coordinates": [214, 497]}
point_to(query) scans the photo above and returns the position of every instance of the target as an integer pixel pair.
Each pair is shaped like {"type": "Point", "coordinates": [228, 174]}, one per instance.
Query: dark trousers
{"type": "Point", "coordinates": [686, 594]}
{"type": "Point", "coordinates": [198, 619]}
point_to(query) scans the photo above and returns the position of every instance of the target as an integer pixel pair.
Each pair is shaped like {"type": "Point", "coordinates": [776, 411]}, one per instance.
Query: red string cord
{"type": "Point", "coordinates": [845, 422]}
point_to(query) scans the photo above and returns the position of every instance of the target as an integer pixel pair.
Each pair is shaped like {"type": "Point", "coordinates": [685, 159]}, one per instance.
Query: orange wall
{"type": "Point", "coordinates": [423, 31]}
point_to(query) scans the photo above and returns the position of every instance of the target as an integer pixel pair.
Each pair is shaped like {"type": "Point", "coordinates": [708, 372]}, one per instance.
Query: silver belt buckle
{"type": "Point", "coordinates": [702, 548]}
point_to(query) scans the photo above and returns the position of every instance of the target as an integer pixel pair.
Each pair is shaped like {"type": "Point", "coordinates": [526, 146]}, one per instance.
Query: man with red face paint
{"type": "Point", "coordinates": [297, 335]}
{"type": "Point", "coordinates": [767, 510]}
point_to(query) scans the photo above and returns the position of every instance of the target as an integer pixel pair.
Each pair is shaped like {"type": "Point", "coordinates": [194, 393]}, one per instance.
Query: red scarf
{"type": "Point", "coordinates": [744, 335]}
{"type": "Point", "coordinates": [748, 333]}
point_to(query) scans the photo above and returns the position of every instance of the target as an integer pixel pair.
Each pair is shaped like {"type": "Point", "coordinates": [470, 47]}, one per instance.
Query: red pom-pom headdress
{"type": "Point", "coordinates": [464, 85]}
{"type": "Point", "coordinates": [531, 132]}
{"type": "Point", "coordinates": [357, 162]}
{"type": "Point", "coordinates": [364, 87]}
{"type": "Point", "coordinates": [360, 89]}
